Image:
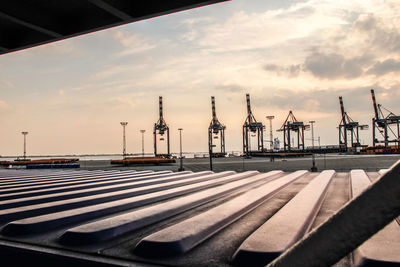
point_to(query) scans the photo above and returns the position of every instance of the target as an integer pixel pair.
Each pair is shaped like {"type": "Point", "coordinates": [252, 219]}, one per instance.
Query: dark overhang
{"type": "Point", "coordinates": [28, 23]}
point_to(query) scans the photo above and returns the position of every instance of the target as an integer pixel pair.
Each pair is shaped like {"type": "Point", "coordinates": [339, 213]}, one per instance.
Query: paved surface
{"type": "Point", "coordinates": [328, 162]}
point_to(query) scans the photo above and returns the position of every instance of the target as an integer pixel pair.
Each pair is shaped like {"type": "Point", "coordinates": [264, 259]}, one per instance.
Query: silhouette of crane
{"type": "Point", "coordinates": [161, 128]}
{"type": "Point", "coordinates": [383, 124]}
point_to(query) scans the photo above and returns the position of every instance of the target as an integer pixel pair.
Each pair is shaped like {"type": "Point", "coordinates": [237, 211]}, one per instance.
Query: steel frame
{"type": "Point", "coordinates": [160, 128]}
{"type": "Point", "coordinates": [252, 126]}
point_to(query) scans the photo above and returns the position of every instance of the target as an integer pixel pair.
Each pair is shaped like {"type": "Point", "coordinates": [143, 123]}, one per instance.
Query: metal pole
{"type": "Point", "coordinates": [24, 134]}
{"type": "Point", "coordinates": [210, 147]}
{"type": "Point", "coordinates": [271, 145]}
{"type": "Point", "coordinates": [123, 123]}
{"type": "Point", "coordinates": [312, 132]}
{"type": "Point", "coordinates": [180, 150]}
{"type": "Point", "coordinates": [142, 131]}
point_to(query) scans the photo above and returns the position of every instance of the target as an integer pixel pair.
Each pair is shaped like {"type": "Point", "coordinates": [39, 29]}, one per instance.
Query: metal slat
{"type": "Point", "coordinates": [383, 247]}
{"type": "Point", "coordinates": [55, 181]}
{"type": "Point", "coordinates": [48, 186]}
{"type": "Point", "coordinates": [45, 177]}
{"type": "Point", "coordinates": [39, 209]}
{"type": "Point", "coordinates": [17, 174]}
{"type": "Point", "coordinates": [348, 228]}
{"type": "Point", "coordinates": [118, 225]}
{"type": "Point", "coordinates": [382, 171]}
{"type": "Point", "coordinates": [185, 235]}
{"type": "Point", "coordinates": [35, 224]}
{"type": "Point", "coordinates": [286, 227]}
{"type": "Point", "coordinates": [96, 188]}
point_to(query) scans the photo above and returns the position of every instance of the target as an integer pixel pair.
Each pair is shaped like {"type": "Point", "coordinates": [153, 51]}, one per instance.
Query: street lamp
{"type": "Point", "coordinates": [270, 118]}
{"type": "Point", "coordinates": [312, 132]}
{"type": "Point", "coordinates": [180, 145]}
{"type": "Point", "coordinates": [142, 131]}
{"type": "Point", "coordinates": [24, 134]}
{"type": "Point", "coordinates": [123, 123]}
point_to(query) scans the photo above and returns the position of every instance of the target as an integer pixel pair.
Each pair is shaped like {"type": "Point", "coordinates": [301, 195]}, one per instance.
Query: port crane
{"type": "Point", "coordinates": [252, 128]}
{"type": "Point", "coordinates": [291, 124]}
{"type": "Point", "coordinates": [348, 126]}
{"type": "Point", "coordinates": [383, 124]}
{"type": "Point", "coordinates": [216, 130]}
{"type": "Point", "coordinates": [161, 128]}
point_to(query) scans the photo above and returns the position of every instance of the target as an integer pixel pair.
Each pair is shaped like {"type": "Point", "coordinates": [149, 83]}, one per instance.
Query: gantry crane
{"type": "Point", "coordinates": [383, 124]}
{"type": "Point", "coordinates": [216, 128]}
{"type": "Point", "coordinates": [254, 128]}
{"type": "Point", "coordinates": [291, 124]}
{"type": "Point", "coordinates": [347, 125]}
{"type": "Point", "coordinates": [160, 128]}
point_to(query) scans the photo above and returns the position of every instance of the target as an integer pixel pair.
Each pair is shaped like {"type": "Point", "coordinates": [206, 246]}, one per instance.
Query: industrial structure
{"type": "Point", "coordinates": [123, 123]}
{"type": "Point", "coordinates": [252, 128]}
{"type": "Point", "coordinates": [291, 124]}
{"type": "Point", "coordinates": [383, 124]}
{"type": "Point", "coordinates": [312, 133]}
{"type": "Point", "coordinates": [216, 130]}
{"type": "Point", "coordinates": [348, 126]}
{"type": "Point", "coordinates": [24, 134]}
{"type": "Point", "coordinates": [161, 128]}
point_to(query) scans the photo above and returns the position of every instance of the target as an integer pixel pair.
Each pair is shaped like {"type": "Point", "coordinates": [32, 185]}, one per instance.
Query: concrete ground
{"type": "Point", "coordinates": [322, 162]}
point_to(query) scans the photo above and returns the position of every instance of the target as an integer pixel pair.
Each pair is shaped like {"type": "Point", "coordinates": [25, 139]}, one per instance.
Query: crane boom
{"type": "Point", "coordinates": [375, 105]}
{"type": "Point", "coordinates": [214, 115]}
{"type": "Point", "coordinates": [248, 105]}
{"type": "Point", "coordinates": [342, 110]}
{"type": "Point", "coordinates": [160, 108]}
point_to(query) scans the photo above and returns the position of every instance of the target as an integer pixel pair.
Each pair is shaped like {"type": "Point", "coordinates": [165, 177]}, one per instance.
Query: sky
{"type": "Point", "coordinates": [71, 95]}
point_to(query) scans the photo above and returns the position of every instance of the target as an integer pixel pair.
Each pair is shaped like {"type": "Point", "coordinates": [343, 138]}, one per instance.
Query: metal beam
{"type": "Point", "coordinates": [66, 19]}
{"type": "Point", "coordinates": [351, 226]}
{"type": "Point", "coordinates": [111, 9]}
{"type": "Point", "coordinates": [30, 25]}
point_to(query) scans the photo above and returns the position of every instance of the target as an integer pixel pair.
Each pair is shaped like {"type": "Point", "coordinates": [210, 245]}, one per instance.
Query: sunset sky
{"type": "Point", "coordinates": [288, 55]}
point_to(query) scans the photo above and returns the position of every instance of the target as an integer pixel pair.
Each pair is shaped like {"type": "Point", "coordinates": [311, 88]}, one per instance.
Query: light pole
{"type": "Point", "coordinates": [24, 134]}
{"type": "Point", "coordinates": [142, 131]}
{"type": "Point", "coordinates": [271, 145]}
{"type": "Point", "coordinates": [312, 132]}
{"type": "Point", "coordinates": [180, 149]}
{"type": "Point", "coordinates": [123, 123]}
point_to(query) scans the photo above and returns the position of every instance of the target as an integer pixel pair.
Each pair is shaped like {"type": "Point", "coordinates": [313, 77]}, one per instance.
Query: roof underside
{"type": "Point", "coordinates": [28, 23]}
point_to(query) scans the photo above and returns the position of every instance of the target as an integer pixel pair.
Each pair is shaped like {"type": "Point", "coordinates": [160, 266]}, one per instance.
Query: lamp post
{"type": "Point", "coordinates": [24, 134]}
{"type": "Point", "coordinates": [271, 145]}
{"type": "Point", "coordinates": [123, 123]}
{"type": "Point", "coordinates": [142, 131]}
{"type": "Point", "coordinates": [312, 132]}
{"type": "Point", "coordinates": [180, 149]}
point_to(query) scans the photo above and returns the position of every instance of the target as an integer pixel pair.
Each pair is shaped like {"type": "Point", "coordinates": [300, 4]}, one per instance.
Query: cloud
{"type": "Point", "coordinates": [3, 105]}
{"type": "Point", "coordinates": [356, 99]}
{"type": "Point", "coordinates": [290, 71]}
{"type": "Point", "coordinates": [379, 35]}
{"type": "Point", "coordinates": [334, 65]}
{"type": "Point", "coordinates": [382, 68]}
{"type": "Point", "coordinates": [195, 26]}
{"type": "Point", "coordinates": [133, 43]}
{"type": "Point", "coordinates": [234, 88]}
{"type": "Point", "coordinates": [4, 83]}
{"type": "Point", "coordinates": [352, 51]}
{"type": "Point", "coordinates": [245, 31]}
